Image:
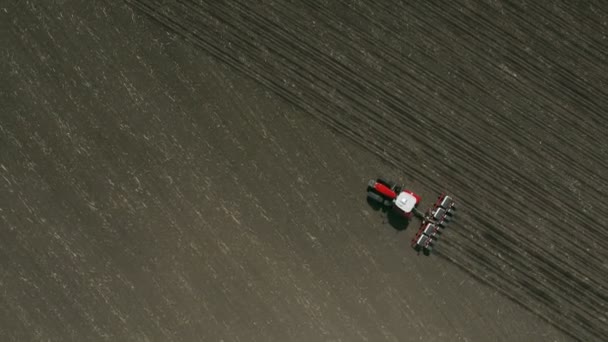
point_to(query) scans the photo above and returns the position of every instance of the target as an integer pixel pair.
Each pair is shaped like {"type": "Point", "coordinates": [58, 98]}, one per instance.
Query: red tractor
{"type": "Point", "coordinates": [405, 202]}
{"type": "Point", "coordinates": [393, 195]}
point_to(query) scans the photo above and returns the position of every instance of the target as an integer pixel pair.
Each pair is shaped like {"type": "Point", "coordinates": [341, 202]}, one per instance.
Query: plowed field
{"type": "Point", "coordinates": [195, 170]}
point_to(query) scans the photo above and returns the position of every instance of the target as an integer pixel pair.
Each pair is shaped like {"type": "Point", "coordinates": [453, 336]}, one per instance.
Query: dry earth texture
{"type": "Point", "coordinates": [195, 170]}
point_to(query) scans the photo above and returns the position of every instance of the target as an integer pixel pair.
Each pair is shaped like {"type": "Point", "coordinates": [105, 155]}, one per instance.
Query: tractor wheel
{"type": "Point", "coordinates": [375, 197]}
{"type": "Point", "coordinates": [389, 184]}
{"type": "Point", "coordinates": [371, 184]}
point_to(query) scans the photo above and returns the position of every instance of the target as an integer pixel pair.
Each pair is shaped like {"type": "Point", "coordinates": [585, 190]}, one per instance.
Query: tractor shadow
{"type": "Point", "coordinates": [396, 221]}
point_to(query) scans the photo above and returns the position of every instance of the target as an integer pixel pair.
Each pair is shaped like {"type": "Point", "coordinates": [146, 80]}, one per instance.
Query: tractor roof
{"type": "Point", "coordinates": [406, 202]}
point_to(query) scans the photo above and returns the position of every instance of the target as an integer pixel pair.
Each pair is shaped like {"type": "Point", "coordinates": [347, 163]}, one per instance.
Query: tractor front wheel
{"type": "Point", "coordinates": [375, 197]}
{"type": "Point", "coordinates": [389, 184]}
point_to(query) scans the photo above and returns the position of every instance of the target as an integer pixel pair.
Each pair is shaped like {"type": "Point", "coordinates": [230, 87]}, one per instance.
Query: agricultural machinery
{"type": "Point", "coordinates": [403, 202]}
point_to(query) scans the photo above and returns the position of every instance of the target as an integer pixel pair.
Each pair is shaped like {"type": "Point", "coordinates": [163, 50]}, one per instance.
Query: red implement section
{"type": "Point", "coordinates": [438, 202]}
{"type": "Point", "coordinates": [385, 191]}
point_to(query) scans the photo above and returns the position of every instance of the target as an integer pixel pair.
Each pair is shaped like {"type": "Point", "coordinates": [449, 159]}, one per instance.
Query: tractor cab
{"type": "Point", "coordinates": [406, 202]}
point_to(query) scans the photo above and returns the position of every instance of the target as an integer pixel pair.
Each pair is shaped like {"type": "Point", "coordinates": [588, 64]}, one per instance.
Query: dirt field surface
{"type": "Point", "coordinates": [196, 170]}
